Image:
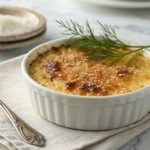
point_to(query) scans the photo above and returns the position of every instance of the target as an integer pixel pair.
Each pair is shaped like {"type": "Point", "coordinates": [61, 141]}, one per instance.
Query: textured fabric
{"type": "Point", "coordinates": [14, 93]}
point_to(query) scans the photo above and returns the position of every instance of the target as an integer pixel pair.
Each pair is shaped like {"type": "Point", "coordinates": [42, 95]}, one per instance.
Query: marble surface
{"type": "Point", "coordinates": [130, 24]}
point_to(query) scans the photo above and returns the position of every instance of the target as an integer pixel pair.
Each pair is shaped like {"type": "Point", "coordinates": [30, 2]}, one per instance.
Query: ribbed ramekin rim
{"type": "Point", "coordinates": [25, 73]}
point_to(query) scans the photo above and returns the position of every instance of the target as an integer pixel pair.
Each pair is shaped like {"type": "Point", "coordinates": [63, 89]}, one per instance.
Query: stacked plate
{"type": "Point", "coordinates": [20, 27]}
{"type": "Point", "coordinates": [121, 3]}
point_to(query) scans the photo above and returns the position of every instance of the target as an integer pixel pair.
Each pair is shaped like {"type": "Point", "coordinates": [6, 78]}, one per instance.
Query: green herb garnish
{"type": "Point", "coordinates": [107, 48]}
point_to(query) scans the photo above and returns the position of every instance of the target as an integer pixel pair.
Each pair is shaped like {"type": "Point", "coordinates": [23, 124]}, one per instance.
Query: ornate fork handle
{"type": "Point", "coordinates": [27, 133]}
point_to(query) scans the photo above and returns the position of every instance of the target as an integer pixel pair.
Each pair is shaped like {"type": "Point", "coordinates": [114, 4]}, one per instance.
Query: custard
{"type": "Point", "coordinates": [68, 70]}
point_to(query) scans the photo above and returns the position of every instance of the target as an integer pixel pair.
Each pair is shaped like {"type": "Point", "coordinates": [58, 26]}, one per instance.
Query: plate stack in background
{"type": "Point", "coordinates": [20, 27]}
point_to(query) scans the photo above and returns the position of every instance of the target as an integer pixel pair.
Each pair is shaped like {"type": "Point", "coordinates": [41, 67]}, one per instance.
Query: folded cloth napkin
{"type": "Point", "coordinates": [14, 92]}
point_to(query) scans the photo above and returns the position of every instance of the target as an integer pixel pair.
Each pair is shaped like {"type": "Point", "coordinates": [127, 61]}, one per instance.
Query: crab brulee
{"type": "Point", "coordinates": [68, 70]}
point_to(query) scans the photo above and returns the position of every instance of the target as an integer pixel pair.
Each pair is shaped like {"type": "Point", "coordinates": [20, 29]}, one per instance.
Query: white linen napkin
{"type": "Point", "coordinates": [14, 92]}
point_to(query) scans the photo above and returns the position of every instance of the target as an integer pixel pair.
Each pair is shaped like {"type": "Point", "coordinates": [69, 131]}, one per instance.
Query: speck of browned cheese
{"type": "Point", "coordinates": [66, 69]}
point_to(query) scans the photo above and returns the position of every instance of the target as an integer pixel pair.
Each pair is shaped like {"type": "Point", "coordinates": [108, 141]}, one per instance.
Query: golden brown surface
{"type": "Point", "coordinates": [67, 70]}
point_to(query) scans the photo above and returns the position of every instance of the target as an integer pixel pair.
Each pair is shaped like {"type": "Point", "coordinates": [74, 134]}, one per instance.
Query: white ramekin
{"type": "Point", "coordinates": [84, 112]}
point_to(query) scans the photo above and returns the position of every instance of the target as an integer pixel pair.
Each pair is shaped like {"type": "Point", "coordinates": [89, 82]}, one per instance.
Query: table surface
{"type": "Point", "coordinates": [130, 24]}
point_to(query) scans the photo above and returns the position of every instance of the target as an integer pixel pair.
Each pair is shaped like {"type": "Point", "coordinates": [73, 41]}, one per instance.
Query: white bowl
{"type": "Point", "coordinates": [84, 112]}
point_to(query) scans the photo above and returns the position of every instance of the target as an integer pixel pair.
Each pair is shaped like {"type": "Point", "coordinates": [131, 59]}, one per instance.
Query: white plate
{"type": "Point", "coordinates": [11, 45]}
{"type": "Point", "coordinates": [121, 3]}
{"type": "Point", "coordinates": [37, 23]}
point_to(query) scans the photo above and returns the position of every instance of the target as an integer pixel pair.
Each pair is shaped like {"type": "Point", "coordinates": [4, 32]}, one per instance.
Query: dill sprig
{"type": "Point", "coordinates": [106, 47]}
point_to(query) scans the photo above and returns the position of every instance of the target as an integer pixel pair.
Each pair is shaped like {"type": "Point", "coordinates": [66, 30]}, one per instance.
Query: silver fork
{"type": "Point", "coordinates": [27, 133]}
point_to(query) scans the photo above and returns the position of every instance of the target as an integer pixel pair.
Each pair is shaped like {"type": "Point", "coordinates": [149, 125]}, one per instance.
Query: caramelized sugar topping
{"type": "Point", "coordinates": [68, 70]}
